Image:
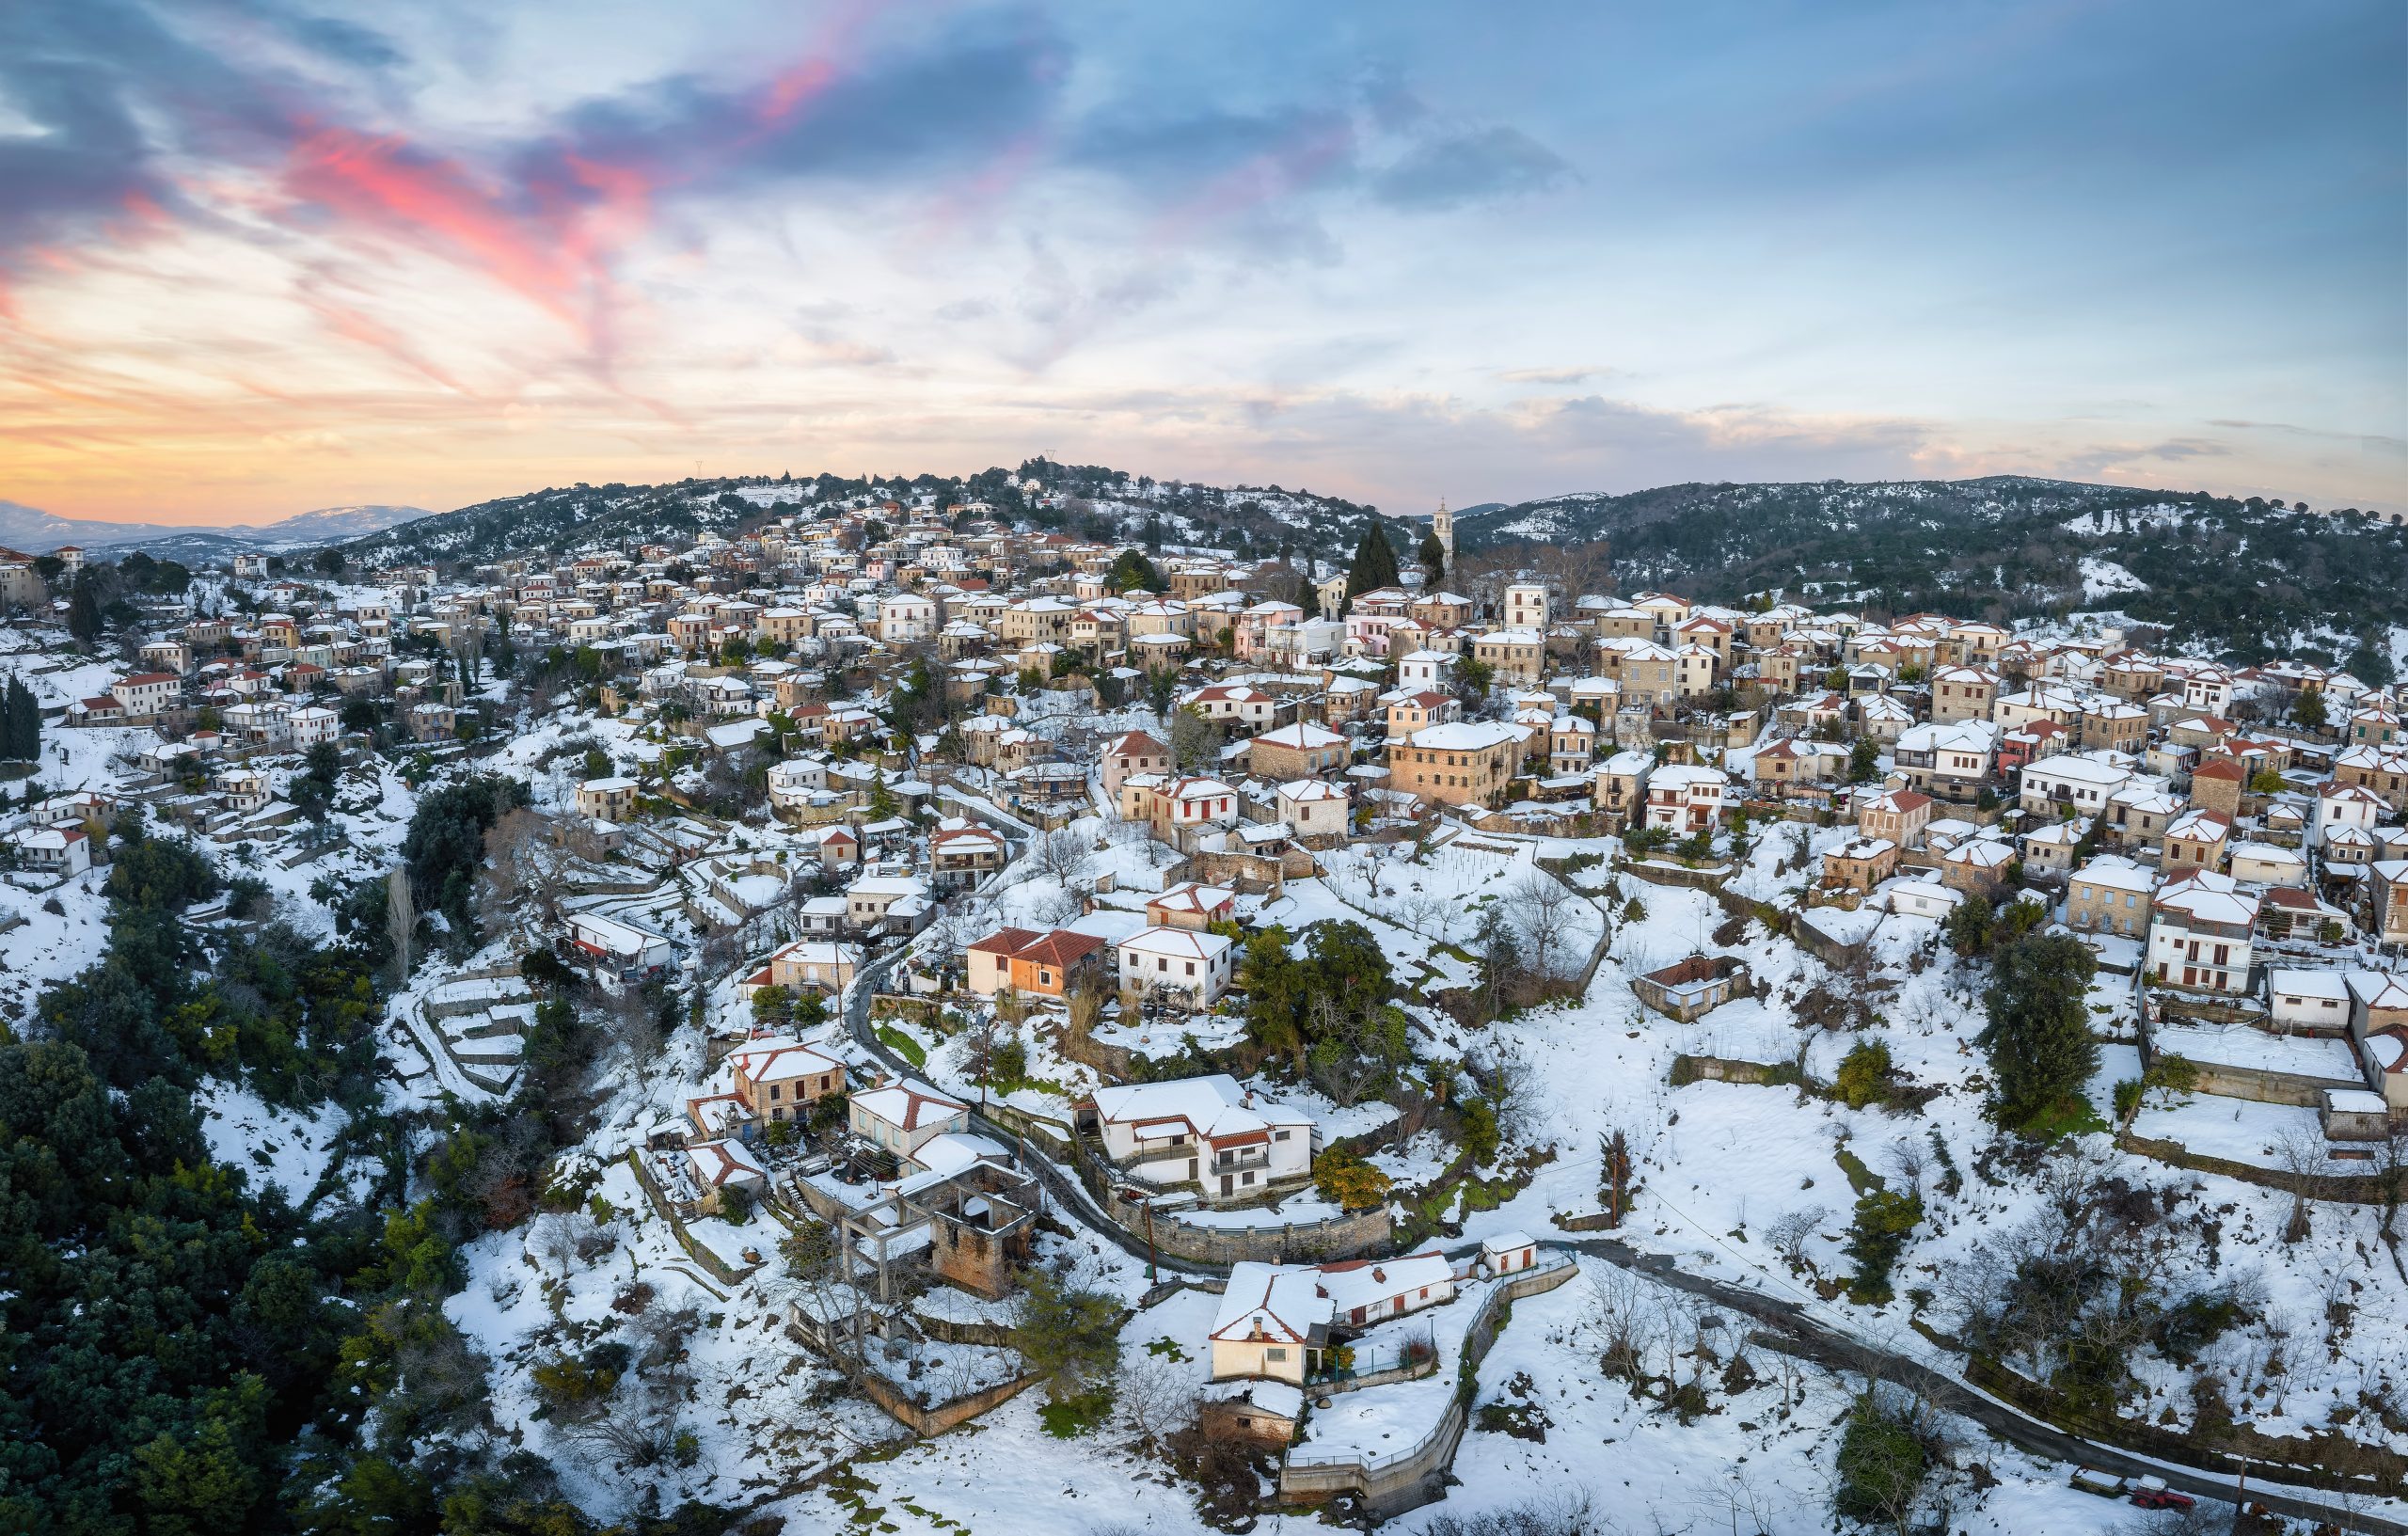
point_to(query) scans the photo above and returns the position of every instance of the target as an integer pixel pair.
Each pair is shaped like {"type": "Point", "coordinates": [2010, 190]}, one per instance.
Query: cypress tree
{"type": "Point", "coordinates": [20, 723]}
{"type": "Point", "coordinates": [2038, 1039]}
{"type": "Point", "coordinates": [1374, 564]}
{"type": "Point", "coordinates": [84, 615]}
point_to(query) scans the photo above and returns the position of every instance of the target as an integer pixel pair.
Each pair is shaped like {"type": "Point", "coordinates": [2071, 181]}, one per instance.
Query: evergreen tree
{"type": "Point", "coordinates": [84, 613]}
{"type": "Point", "coordinates": [20, 723]}
{"type": "Point", "coordinates": [2038, 1039]}
{"type": "Point", "coordinates": [1863, 762]}
{"type": "Point", "coordinates": [1374, 563]}
{"type": "Point", "coordinates": [1433, 556]}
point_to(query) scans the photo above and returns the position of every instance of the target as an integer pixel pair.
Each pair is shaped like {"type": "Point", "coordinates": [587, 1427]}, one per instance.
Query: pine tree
{"type": "Point", "coordinates": [1374, 563]}
{"type": "Point", "coordinates": [2041, 1053]}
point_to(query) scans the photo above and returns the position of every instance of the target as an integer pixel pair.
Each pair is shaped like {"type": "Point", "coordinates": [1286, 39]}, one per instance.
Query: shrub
{"type": "Point", "coordinates": [1883, 1219]}
{"type": "Point", "coordinates": [1882, 1464]}
{"type": "Point", "coordinates": [1342, 1177]}
{"type": "Point", "coordinates": [1865, 1074]}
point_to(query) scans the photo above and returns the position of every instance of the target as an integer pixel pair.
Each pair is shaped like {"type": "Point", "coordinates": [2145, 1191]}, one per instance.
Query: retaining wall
{"type": "Point", "coordinates": [1393, 1484]}
{"type": "Point", "coordinates": [2348, 1189]}
{"type": "Point", "coordinates": [935, 1418]}
{"type": "Point", "coordinates": [2331, 1462]}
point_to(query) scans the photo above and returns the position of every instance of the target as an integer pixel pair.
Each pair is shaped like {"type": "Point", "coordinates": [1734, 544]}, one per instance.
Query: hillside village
{"type": "Point", "coordinates": [914, 1021]}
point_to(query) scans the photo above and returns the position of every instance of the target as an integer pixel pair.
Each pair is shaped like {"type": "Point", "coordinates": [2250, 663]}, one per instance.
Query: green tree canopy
{"type": "Point", "coordinates": [2041, 1053]}
{"type": "Point", "coordinates": [1374, 563]}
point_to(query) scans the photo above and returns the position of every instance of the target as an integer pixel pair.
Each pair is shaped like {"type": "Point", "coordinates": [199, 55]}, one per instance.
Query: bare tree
{"type": "Point", "coordinates": [1062, 853]}
{"type": "Point", "coordinates": [521, 876]}
{"type": "Point", "coordinates": [1152, 1399]}
{"type": "Point", "coordinates": [1058, 906]}
{"type": "Point", "coordinates": [1790, 1231]}
{"type": "Point", "coordinates": [1511, 1085]}
{"type": "Point", "coordinates": [633, 1018]}
{"type": "Point", "coordinates": [2302, 1153]}
{"type": "Point", "coordinates": [1547, 913]}
{"type": "Point", "coordinates": [400, 917]}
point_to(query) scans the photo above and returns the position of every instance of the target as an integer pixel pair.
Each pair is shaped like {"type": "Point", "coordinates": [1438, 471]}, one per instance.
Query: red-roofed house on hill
{"type": "Point", "coordinates": [2216, 786]}
{"type": "Point", "coordinates": [780, 1079]}
{"type": "Point", "coordinates": [1030, 963]}
{"type": "Point", "coordinates": [146, 695]}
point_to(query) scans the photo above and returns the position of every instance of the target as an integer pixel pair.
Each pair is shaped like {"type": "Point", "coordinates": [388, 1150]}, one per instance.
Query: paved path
{"type": "Point", "coordinates": [1063, 1185]}
{"type": "Point", "coordinates": [1793, 1332]}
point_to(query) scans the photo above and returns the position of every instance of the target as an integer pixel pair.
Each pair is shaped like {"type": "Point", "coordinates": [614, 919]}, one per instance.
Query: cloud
{"type": "Point", "coordinates": [2109, 458]}
{"type": "Point", "coordinates": [1474, 166]}
{"type": "Point", "coordinates": [1578, 374]}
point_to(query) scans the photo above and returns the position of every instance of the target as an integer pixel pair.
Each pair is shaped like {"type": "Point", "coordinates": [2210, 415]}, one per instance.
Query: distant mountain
{"type": "Point", "coordinates": [37, 532]}
{"type": "Point", "coordinates": [2250, 577]}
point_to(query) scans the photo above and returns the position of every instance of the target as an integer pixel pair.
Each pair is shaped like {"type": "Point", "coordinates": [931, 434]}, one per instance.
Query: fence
{"type": "Point", "coordinates": [1391, 1482]}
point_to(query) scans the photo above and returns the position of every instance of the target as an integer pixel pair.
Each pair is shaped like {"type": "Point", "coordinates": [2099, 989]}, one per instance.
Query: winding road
{"type": "Point", "coordinates": [1784, 1327]}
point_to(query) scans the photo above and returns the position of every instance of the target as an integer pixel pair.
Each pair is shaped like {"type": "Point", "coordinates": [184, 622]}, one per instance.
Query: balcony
{"type": "Point", "coordinates": [1256, 1158]}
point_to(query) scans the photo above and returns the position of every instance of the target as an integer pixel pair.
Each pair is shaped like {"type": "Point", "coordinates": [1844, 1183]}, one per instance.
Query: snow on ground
{"type": "Point", "coordinates": [1703, 1152]}
{"type": "Point", "coordinates": [2102, 577]}
{"type": "Point", "coordinates": [288, 1148]}
{"type": "Point", "coordinates": [2243, 1131]}
{"type": "Point", "coordinates": [43, 946]}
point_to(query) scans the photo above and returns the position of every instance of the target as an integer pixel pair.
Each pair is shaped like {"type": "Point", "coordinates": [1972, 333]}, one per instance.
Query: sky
{"type": "Point", "coordinates": [259, 257]}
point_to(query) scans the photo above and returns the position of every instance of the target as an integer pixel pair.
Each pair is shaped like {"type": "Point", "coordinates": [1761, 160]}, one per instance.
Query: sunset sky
{"type": "Point", "coordinates": [259, 257]}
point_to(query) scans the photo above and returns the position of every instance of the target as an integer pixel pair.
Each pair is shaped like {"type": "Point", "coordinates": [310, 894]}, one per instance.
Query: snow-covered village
{"type": "Point", "coordinates": [890, 1016]}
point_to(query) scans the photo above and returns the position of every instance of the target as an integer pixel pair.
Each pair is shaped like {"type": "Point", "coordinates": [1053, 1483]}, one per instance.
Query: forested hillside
{"type": "Point", "coordinates": [2247, 577]}
{"type": "Point", "coordinates": [1085, 500]}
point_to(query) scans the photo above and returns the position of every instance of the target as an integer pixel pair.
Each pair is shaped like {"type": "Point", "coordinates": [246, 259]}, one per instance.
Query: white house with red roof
{"type": "Point", "coordinates": [1235, 704]}
{"type": "Point", "coordinates": [55, 851]}
{"type": "Point", "coordinates": [1206, 1131]}
{"type": "Point", "coordinates": [1177, 962]}
{"type": "Point", "coordinates": [1271, 1320]}
{"type": "Point", "coordinates": [904, 1116]}
{"type": "Point", "coordinates": [146, 694]}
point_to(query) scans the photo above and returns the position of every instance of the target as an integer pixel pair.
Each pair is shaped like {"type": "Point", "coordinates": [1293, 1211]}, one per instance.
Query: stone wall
{"type": "Point", "coordinates": [1339, 1237]}
{"type": "Point", "coordinates": [1401, 1481]}
{"type": "Point", "coordinates": [935, 1418]}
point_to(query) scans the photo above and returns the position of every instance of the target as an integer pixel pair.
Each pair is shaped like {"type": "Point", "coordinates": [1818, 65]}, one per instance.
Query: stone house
{"type": "Point", "coordinates": [1302, 750]}
{"type": "Point", "coordinates": [1859, 864]}
{"type": "Point", "coordinates": [2109, 894]}
{"type": "Point", "coordinates": [1692, 987]}
{"type": "Point", "coordinates": [1896, 816]}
